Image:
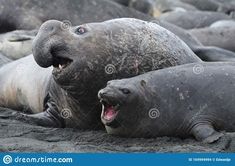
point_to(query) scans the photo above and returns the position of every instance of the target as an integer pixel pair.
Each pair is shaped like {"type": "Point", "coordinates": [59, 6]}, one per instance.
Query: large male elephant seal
{"type": "Point", "coordinates": [193, 99]}
{"type": "Point", "coordinates": [17, 44]}
{"type": "Point", "coordinates": [84, 58]}
{"type": "Point", "coordinates": [193, 19]}
{"type": "Point", "coordinates": [30, 14]}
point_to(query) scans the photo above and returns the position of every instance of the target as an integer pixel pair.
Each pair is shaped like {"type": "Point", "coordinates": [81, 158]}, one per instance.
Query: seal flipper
{"type": "Point", "coordinates": [205, 133]}
{"type": "Point", "coordinates": [50, 117]}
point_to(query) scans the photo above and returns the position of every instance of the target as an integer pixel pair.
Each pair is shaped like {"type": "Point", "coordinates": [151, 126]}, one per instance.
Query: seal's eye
{"type": "Point", "coordinates": [80, 30]}
{"type": "Point", "coordinates": [125, 90]}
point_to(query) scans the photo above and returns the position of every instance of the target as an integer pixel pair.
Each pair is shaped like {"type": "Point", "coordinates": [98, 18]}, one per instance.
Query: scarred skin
{"type": "Point", "coordinates": [85, 57]}
{"type": "Point", "coordinates": [188, 100]}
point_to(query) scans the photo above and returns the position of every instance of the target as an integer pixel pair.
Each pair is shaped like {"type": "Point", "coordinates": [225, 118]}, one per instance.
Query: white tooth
{"type": "Point", "coordinates": [60, 66]}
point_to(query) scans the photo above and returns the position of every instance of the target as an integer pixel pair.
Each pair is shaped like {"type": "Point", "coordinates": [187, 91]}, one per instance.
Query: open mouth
{"type": "Point", "coordinates": [110, 111]}
{"type": "Point", "coordinates": [60, 63]}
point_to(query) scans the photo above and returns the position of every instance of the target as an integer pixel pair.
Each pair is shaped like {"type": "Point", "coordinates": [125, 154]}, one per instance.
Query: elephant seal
{"type": "Point", "coordinates": [222, 37]}
{"type": "Point", "coordinates": [193, 19]}
{"type": "Point", "coordinates": [211, 5]}
{"type": "Point", "coordinates": [156, 8]}
{"type": "Point", "coordinates": [223, 23]}
{"type": "Point", "coordinates": [84, 58]}
{"type": "Point", "coordinates": [206, 53]}
{"type": "Point", "coordinates": [30, 14]}
{"type": "Point", "coordinates": [17, 44]}
{"type": "Point", "coordinates": [193, 99]}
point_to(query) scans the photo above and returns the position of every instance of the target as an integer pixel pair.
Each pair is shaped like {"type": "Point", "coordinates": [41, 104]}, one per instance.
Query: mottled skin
{"type": "Point", "coordinates": [30, 14]}
{"type": "Point", "coordinates": [193, 19]}
{"type": "Point", "coordinates": [17, 44]}
{"type": "Point", "coordinates": [81, 57]}
{"type": "Point", "coordinates": [188, 100]}
{"type": "Point", "coordinates": [222, 37]}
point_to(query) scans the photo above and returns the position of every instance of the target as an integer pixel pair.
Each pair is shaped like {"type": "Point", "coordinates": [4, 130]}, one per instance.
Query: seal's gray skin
{"type": "Point", "coordinates": [223, 23]}
{"type": "Point", "coordinates": [4, 60]}
{"type": "Point", "coordinates": [85, 57]}
{"type": "Point", "coordinates": [30, 14]}
{"type": "Point", "coordinates": [17, 44]}
{"type": "Point", "coordinates": [206, 53]}
{"type": "Point", "coordinates": [193, 19]}
{"type": "Point", "coordinates": [156, 7]}
{"type": "Point", "coordinates": [211, 5]}
{"type": "Point", "coordinates": [193, 99]}
{"type": "Point", "coordinates": [222, 37]}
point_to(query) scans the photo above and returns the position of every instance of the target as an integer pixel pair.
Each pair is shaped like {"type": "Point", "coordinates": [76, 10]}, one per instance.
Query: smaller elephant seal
{"type": "Point", "coordinates": [223, 23]}
{"type": "Point", "coordinates": [17, 44]}
{"type": "Point", "coordinates": [193, 99]}
{"type": "Point", "coordinates": [193, 19]}
{"type": "Point", "coordinates": [156, 8]}
{"type": "Point", "coordinates": [222, 37]}
{"type": "Point", "coordinates": [211, 5]}
{"type": "Point", "coordinates": [206, 53]}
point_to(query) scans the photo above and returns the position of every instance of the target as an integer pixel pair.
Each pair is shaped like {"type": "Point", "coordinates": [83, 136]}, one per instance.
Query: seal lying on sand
{"type": "Point", "coordinates": [84, 58]}
{"type": "Point", "coordinates": [17, 44]}
{"type": "Point", "coordinates": [194, 99]}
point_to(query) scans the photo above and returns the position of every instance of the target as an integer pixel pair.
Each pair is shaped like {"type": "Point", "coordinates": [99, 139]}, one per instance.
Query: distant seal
{"type": "Point", "coordinates": [206, 53]}
{"type": "Point", "coordinates": [17, 44]}
{"type": "Point", "coordinates": [156, 8]}
{"type": "Point", "coordinates": [223, 23]}
{"type": "Point", "coordinates": [84, 58]}
{"type": "Point", "coordinates": [188, 100]}
{"type": "Point", "coordinates": [193, 19]}
{"type": "Point", "coordinates": [30, 14]}
{"type": "Point", "coordinates": [212, 5]}
{"type": "Point", "coordinates": [222, 37]}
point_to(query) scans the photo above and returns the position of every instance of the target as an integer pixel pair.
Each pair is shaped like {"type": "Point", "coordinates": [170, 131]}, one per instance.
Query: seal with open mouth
{"type": "Point", "coordinates": [188, 100]}
{"type": "Point", "coordinates": [72, 64]}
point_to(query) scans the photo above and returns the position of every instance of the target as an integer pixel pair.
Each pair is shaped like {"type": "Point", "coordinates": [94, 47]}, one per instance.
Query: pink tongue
{"type": "Point", "coordinates": [109, 113]}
